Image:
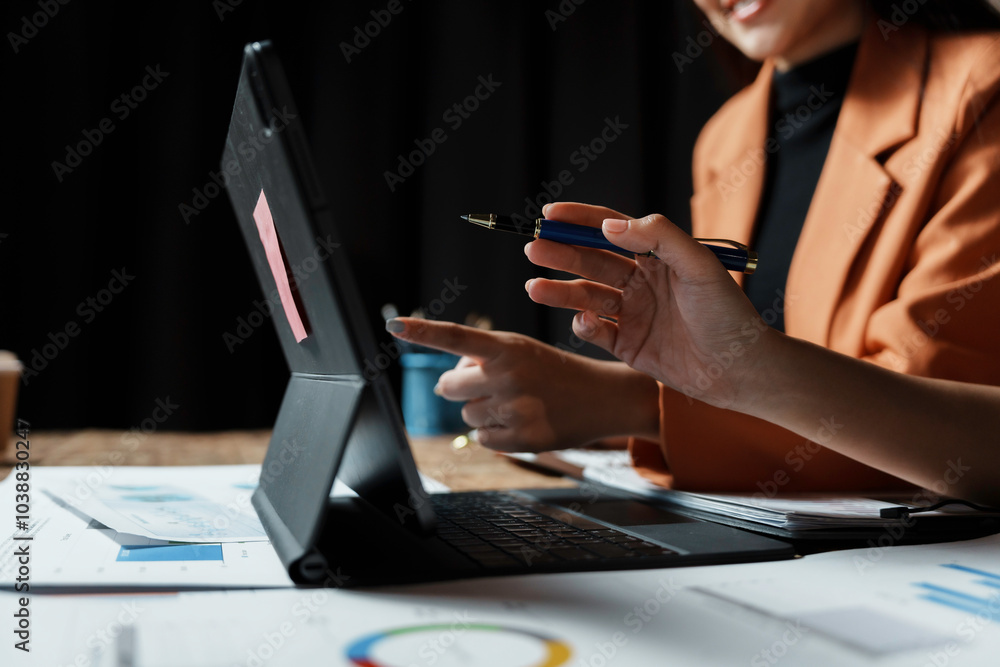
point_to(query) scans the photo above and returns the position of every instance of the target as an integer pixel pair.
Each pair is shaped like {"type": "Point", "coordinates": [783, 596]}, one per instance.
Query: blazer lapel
{"type": "Point", "coordinates": [855, 189]}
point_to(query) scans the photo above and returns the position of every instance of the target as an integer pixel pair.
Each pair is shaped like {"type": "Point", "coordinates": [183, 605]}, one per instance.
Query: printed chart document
{"type": "Point", "coordinates": [152, 528]}
{"type": "Point", "coordinates": [72, 551]}
{"type": "Point", "coordinates": [199, 504]}
{"type": "Point", "coordinates": [886, 601]}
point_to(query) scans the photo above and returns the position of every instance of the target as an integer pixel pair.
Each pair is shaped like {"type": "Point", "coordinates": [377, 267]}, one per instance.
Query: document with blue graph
{"type": "Point", "coordinates": [74, 551]}
{"type": "Point", "coordinates": [208, 504]}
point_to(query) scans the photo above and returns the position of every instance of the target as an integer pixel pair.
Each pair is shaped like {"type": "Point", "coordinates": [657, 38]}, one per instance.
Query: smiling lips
{"type": "Point", "coordinates": [741, 10]}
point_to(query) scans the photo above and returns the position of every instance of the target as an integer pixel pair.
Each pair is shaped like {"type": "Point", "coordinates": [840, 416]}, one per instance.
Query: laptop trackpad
{"type": "Point", "coordinates": [690, 536]}
{"type": "Point", "coordinates": [628, 513]}
{"type": "Point", "coordinates": [660, 526]}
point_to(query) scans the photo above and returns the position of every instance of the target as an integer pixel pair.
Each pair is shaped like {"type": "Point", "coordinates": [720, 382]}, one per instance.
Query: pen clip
{"type": "Point", "coordinates": [751, 255]}
{"type": "Point", "coordinates": [732, 244]}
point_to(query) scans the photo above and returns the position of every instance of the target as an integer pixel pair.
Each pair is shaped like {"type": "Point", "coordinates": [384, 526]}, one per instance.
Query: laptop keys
{"type": "Point", "coordinates": [506, 535]}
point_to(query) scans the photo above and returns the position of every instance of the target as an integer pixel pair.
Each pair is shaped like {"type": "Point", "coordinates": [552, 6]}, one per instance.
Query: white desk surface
{"type": "Point", "coordinates": [861, 607]}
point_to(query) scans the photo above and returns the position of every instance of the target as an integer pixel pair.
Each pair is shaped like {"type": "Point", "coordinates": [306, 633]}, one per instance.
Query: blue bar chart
{"type": "Point", "coordinates": [979, 595]}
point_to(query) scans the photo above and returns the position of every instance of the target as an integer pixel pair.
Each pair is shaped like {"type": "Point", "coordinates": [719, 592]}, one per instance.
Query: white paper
{"type": "Point", "coordinates": [803, 612]}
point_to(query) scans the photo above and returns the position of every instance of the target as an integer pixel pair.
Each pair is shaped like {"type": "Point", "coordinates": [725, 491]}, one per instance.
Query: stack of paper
{"type": "Point", "coordinates": [793, 512]}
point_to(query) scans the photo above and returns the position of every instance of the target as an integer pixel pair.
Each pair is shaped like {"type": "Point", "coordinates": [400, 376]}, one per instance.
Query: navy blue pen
{"type": "Point", "coordinates": [736, 257]}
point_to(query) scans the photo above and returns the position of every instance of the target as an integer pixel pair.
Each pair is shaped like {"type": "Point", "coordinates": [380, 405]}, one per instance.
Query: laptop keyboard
{"type": "Point", "coordinates": [497, 531]}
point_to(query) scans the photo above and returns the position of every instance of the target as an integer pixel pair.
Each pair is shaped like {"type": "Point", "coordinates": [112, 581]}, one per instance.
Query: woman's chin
{"type": "Point", "coordinates": [760, 43]}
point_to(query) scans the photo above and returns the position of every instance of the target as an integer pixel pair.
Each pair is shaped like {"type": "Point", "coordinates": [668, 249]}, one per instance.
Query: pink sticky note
{"type": "Point", "coordinates": [272, 248]}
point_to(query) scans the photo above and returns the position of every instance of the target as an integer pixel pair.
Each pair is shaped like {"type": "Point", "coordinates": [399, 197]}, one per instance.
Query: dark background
{"type": "Point", "coordinates": [161, 337]}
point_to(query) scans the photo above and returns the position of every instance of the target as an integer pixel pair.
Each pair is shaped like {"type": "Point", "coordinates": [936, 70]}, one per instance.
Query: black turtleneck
{"type": "Point", "coordinates": [805, 103]}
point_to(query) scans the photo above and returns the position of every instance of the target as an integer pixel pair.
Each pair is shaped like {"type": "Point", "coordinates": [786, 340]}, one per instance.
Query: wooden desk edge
{"type": "Point", "coordinates": [471, 468]}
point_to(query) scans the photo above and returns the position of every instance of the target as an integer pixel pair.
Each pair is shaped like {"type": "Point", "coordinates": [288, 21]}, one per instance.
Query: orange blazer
{"type": "Point", "coordinates": [896, 262]}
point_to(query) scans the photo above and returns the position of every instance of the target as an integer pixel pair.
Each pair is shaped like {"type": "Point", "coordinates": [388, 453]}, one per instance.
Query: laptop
{"type": "Point", "coordinates": [340, 420]}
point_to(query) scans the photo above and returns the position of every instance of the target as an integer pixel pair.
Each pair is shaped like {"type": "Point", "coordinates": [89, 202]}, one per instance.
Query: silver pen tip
{"type": "Point", "coordinates": [482, 219]}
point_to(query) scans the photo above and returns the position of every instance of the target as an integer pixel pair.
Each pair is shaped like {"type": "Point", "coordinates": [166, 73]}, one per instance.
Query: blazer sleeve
{"type": "Point", "coordinates": [941, 320]}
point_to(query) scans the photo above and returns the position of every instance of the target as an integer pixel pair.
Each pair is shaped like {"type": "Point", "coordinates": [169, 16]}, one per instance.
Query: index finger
{"type": "Point", "coordinates": [447, 336]}
{"type": "Point", "coordinates": [580, 214]}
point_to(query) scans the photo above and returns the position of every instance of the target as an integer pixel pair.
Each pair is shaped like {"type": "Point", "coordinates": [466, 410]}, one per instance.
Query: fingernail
{"type": "Point", "coordinates": [527, 284]}
{"type": "Point", "coordinates": [586, 323]}
{"type": "Point", "coordinates": [615, 225]}
{"type": "Point", "coordinates": [437, 389]}
{"type": "Point", "coordinates": [395, 326]}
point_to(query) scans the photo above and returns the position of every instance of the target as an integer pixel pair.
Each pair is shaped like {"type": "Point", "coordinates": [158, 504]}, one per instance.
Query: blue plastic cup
{"type": "Point", "coordinates": [424, 412]}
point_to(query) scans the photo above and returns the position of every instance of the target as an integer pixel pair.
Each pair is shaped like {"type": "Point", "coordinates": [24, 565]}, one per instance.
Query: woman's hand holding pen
{"type": "Point", "coordinates": [523, 395]}
{"type": "Point", "coordinates": [679, 318]}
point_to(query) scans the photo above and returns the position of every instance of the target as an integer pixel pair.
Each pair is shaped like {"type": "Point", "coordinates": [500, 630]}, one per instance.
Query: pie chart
{"type": "Point", "coordinates": [460, 643]}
